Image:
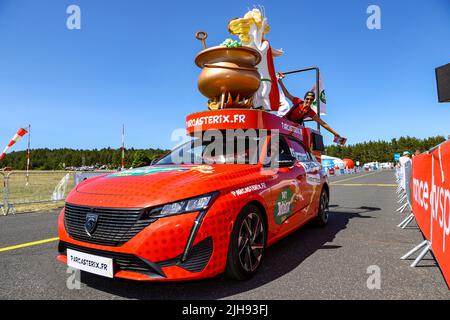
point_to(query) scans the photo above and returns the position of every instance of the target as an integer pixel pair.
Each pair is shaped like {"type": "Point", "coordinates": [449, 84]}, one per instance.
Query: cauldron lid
{"type": "Point", "coordinates": [245, 54]}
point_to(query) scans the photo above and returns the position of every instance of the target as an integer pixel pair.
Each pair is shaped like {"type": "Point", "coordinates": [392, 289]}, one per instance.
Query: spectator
{"type": "Point", "coordinates": [405, 158]}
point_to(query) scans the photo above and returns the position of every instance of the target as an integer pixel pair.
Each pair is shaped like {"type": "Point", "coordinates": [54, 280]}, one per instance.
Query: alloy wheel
{"type": "Point", "coordinates": [251, 242]}
{"type": "Point", "coordinates": [324, 208]}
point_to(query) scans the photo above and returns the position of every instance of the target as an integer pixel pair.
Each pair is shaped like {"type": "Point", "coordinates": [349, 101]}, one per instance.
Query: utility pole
{"type": "Point", "coordinates": [123, 146]}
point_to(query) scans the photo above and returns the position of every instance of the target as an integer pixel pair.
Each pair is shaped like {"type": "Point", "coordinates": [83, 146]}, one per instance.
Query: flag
{"type": "Point", "coordinates": [323, 100]}
{"type": "Point", "coordinates": [20, 133]}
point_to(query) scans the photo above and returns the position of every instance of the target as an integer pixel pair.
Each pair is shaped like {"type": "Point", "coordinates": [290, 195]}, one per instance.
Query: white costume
{"type": "Point", "coordinates": [256, 26]}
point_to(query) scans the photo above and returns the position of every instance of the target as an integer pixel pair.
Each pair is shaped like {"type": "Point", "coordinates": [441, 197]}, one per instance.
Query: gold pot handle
{"type": "Point", "coordinates": [202, 35]}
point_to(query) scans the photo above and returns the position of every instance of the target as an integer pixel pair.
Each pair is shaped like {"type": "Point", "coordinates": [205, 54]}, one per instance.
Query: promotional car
{"type": "Point", "coordinates": [195, 213]}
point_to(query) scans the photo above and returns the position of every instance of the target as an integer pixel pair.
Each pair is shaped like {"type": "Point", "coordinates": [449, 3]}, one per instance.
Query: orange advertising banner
{"type": "Point", "coordinates": [430, 189]}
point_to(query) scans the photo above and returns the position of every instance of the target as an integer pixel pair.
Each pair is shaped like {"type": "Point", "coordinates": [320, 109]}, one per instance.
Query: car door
{"type": "Point", "coordinates": [311, 181]}
{"type": "Point", "coordinates": [282, 201]}
{"type": "Point", "coordinates": [285, 187]}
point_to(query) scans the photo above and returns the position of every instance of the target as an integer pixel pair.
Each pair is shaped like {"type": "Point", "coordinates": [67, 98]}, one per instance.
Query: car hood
{"type": "Point", "coordinates": [166, 183]}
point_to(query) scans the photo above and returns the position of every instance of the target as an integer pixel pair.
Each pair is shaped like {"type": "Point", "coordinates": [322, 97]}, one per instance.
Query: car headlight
{"type": "Point", "coordinates": [202, 202]}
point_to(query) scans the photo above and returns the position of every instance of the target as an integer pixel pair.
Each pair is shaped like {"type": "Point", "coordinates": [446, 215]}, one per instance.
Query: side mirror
{"type": "Point", "coordinates": [153, 161]}
{"type": "Point", "coordinates": [286, 160]}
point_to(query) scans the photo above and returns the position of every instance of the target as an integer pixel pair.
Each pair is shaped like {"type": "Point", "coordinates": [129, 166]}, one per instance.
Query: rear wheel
{"type": "Point", "coordinates": [323, 214]}
{"type": "Point", "coordinates": [247, 244]}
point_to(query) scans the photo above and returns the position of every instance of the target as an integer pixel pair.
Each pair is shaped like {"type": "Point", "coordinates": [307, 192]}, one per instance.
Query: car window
{"type": "Point", "coordinates": [241, 150]}
{"type": "Point", "coordinates": [280, 147]}
{"type": "Point", "coordinates": [298, 151]}
{"type": "Point", "coordinates": [284, 147]}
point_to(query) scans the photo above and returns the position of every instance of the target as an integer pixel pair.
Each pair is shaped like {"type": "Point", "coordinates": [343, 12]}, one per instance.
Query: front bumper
{"type": "Point", "coordinates": [133, 267]}
{"type": "Point", "coordinates": [158, 252]}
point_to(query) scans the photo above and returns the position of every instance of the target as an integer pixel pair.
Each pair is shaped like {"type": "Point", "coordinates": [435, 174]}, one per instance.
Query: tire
{"type": "Point", "coordinates": [247, 244]}
{"type": "Point", "coordinates": [323, 212]}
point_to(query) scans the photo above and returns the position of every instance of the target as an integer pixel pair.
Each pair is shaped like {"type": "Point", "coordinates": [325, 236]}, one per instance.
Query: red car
{"type": "Point", "coordinates": [205, 215]}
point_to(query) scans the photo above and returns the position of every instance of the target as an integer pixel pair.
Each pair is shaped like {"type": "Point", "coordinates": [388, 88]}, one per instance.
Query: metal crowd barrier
{"type": "Point", "coordinates": [37, 189]}
{"type": "Point", "coordinates": [403, 177]}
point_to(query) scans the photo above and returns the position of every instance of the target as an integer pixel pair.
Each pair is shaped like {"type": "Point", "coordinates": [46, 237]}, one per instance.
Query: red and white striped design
{"type": "Point", "coordinates": [20, 133]}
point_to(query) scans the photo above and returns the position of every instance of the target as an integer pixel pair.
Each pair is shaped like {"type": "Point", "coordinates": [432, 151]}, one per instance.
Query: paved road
{"type": "Point", "coordinates": [328, 263]}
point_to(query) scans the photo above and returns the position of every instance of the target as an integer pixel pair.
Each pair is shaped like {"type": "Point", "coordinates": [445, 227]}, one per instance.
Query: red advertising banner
{"type": "Point", "coordinates": [240, 119]}
{"type": "Point", "coordinates": [430, 187]}
{"type": "Point", "coordinates": [420, 191]}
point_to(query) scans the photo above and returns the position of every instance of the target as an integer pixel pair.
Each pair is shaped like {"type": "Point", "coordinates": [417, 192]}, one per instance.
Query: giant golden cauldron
{"type": "Point", "coordinates": [229, 77]}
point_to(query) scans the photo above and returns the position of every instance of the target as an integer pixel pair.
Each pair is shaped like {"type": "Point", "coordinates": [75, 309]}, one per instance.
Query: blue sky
{"type": "Point", "coordinates": [132, 63]}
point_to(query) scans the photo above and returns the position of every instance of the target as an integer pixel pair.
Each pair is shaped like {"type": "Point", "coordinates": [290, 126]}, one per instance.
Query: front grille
{"type": "Point", "coordinates": [114, 226]}
{"type": "Point", "coordinates": [122, 261]}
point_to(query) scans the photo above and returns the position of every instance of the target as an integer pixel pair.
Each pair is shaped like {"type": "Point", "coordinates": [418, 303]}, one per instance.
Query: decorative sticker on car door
{"type": "Point", "coordinates": [283, 205]}
{"type": "Point", "coordinates": [313, 179]}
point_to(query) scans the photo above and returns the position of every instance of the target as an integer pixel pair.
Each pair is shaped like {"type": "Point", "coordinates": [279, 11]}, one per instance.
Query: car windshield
{"type": "Point", "coordinates": [240, 150]}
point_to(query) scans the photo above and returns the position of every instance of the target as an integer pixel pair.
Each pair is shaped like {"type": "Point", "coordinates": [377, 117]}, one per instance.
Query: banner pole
{"type": "Point", "coordinates": [300, 70]}
{"type": "Point", "coordinates": [318, 95]}
{"type": "Point", "coordinates": [28, 155]}
{"type": "Point", "coordinates": [317, 86]}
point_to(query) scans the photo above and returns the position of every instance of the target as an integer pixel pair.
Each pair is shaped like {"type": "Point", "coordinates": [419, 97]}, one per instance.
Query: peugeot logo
{"type": "Point", "coordinates": [91, 223]}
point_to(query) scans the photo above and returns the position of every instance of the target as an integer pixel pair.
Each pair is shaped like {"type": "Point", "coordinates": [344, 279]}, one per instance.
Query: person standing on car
{"type": "Point", "coordinates": [302, 109]}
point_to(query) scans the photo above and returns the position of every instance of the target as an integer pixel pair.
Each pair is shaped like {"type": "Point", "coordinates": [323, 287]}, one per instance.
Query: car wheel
{"type": "Point", "coordinates": [323, 214]}
{"type": "Point", "coordinates": [247, 244]}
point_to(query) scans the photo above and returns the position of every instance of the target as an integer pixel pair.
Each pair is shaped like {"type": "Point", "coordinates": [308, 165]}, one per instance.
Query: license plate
{"type": "Point", "coordinates": [90, 263]}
